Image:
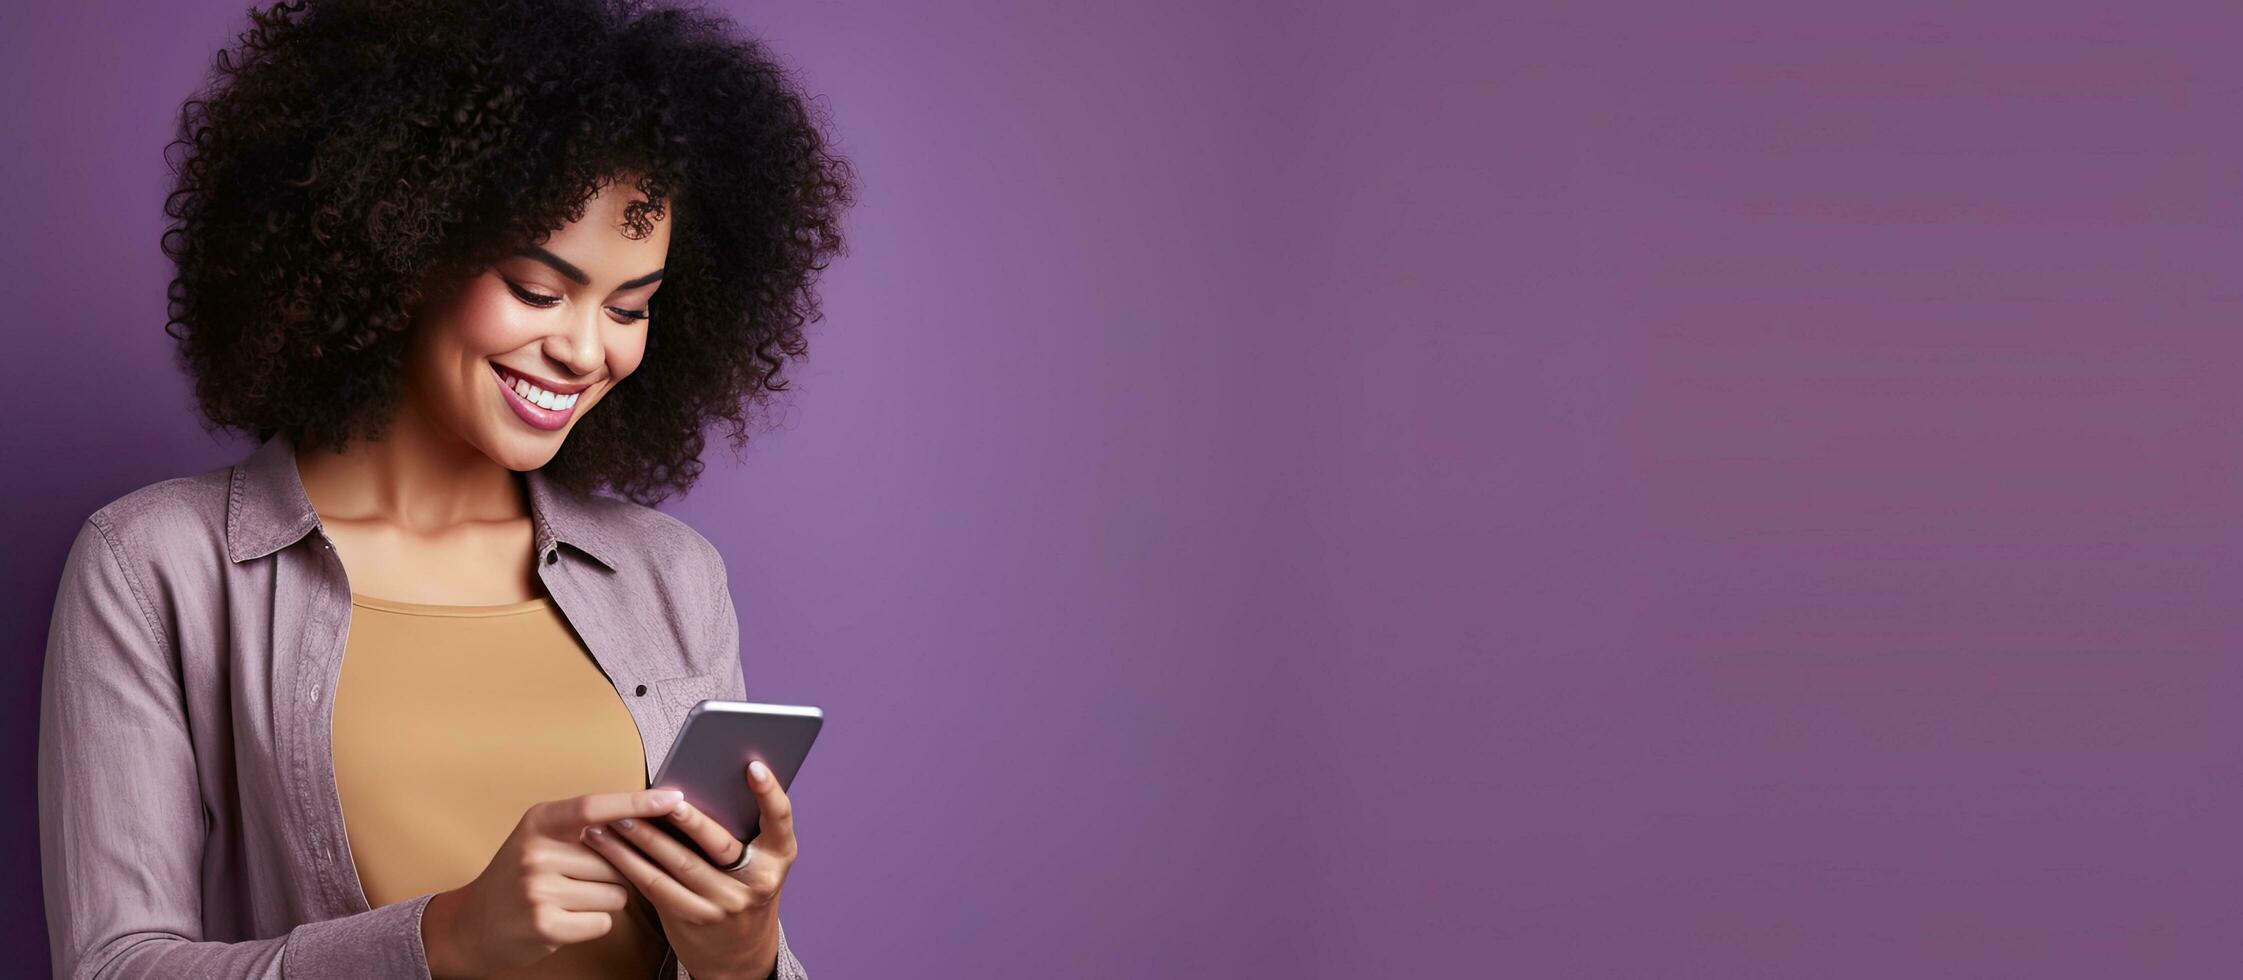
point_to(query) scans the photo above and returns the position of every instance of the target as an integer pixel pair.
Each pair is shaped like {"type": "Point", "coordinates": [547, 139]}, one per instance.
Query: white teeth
{"type": "Point", "coordinates": [542, 398]}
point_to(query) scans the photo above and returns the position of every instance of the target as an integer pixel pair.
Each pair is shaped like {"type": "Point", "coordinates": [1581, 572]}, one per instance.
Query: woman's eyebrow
{"type": "Point", "coordinates": [562, 265]}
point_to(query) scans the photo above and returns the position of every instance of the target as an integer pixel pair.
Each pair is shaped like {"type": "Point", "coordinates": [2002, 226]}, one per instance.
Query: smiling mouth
{"type": "Point", "coordinates": [540, 408]}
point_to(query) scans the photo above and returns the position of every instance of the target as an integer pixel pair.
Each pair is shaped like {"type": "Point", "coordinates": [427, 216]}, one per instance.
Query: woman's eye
{"type": "Point", "coordinates": [542, 301]}
{"type": "Point", "coordinates": [534, 299]}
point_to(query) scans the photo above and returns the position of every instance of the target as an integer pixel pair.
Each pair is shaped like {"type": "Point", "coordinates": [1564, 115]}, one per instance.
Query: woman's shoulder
{"type": "Point", "coordinates": [170, 517]}
{"type": "Point", "coordinates": [652, 539]}
{"type": "Point", "coordinates": [665, 563]}
{"type": "Point", "coordinates": [147, 548]}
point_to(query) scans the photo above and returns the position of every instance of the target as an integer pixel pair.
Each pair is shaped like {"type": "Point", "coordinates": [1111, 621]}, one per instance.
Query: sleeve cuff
{"type": "Point", "coordinates": [384, 942]}
{"type": "Point", "coordinates": [788, 967]}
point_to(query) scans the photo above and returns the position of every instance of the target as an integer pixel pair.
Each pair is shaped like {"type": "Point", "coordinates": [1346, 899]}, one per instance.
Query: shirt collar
{"type": "Point", "coordinates": [267, 509]}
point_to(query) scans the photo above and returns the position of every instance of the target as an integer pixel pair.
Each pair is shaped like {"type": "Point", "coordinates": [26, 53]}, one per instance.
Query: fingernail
{"type": "Point", "coordinates": [681, 809]}
{"type": "Point", "coordinates": [758, 770]}
{"type": "Point", "coordinates": [596, 831]}
{"type": "Point", "coordinates": [667, 797]}
{"type": "Point", "coordinates": [624, 823]}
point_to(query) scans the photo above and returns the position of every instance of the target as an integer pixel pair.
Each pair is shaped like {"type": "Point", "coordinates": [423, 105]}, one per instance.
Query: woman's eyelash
{"type": "Point", "coordinates": [542, 301]}
{"type": "Point", "coordinates": [534, 299]}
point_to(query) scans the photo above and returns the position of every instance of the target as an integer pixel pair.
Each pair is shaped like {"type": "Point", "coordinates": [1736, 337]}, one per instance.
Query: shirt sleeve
{"type": "Point", "coordinates": [121, 819]}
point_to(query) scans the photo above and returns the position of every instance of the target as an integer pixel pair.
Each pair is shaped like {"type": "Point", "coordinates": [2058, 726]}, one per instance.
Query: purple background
{"type": "Point", "coordinates": [1414, 489]}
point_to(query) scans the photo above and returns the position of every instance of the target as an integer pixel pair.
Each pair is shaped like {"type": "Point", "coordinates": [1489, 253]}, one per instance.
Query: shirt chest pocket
{"type": "Point", "coordinates": [676, 696]}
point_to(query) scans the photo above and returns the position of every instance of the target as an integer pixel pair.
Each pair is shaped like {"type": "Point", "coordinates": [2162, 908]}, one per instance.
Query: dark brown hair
{"type": "Point", "coordinates": [349, 157]}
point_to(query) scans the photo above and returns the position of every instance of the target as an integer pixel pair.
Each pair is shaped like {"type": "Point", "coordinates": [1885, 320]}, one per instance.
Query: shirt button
{"type": "Point", "coordinates": [642, 690]}
{"type": "Point", "coordinates": [553, 556]}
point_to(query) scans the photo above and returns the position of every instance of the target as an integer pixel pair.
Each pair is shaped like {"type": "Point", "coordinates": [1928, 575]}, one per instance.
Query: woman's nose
{"type": "Point", "coordinates": [579, 348]}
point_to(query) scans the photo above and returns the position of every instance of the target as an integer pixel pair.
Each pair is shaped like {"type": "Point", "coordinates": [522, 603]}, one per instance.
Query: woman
{"type": "Point", "coordinates": [383, 698]}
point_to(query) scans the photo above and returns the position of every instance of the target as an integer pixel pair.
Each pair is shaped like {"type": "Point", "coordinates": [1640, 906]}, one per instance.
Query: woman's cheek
{"type": "Point", "coordinates": [624, 352]}
{"type": "Point", "coordinates": [622, 363]}
{"type": "Point", "coordinates": [496, 324]}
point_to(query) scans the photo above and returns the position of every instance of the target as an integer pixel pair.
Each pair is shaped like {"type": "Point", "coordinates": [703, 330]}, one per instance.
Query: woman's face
{"type": "Point", "coordinates": [511, 358]}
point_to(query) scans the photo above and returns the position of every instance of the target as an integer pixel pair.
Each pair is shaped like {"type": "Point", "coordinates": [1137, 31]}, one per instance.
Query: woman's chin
{"type": "Point", "coordinates": [524, 451]}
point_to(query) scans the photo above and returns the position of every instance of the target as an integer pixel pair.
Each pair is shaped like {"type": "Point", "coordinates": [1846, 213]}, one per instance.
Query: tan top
{"type": "Point", "coordinates": [434, 775]}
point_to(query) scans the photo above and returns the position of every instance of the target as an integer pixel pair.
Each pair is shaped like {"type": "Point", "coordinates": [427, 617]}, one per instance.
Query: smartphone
{"type": "Point", "coordinates": [709, 760]}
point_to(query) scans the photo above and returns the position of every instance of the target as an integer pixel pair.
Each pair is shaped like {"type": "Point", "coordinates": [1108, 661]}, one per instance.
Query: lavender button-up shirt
{"type": "Point", "coordinates": [188, 819]}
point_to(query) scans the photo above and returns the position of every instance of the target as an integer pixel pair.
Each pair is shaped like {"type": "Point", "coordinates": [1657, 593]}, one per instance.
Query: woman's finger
{"type": "Point", "coordinates": [646, 856]}
{"type": "Point", "coordinates": [775, 821]}
{"type": "Point", "coordinates": [575, 860]}
{"type": "Point", "coordinates": [715, 842]}
{"type": "Point", "coordinates": [684, 864]}
{"type": "Point", "coordinates": [563, 819]}
{"type": "Point", "coordinates": [578, 895]}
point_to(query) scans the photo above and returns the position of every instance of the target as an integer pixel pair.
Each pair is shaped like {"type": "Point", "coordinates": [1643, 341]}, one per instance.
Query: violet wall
{"type": "Point", "coordinates": [1414, 489]}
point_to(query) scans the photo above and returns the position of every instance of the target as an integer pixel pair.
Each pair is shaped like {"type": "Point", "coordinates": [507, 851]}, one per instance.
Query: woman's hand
{"type": "Point", "coordinates": [721, 925]}
{"type": "Point", "coordinates": [542, 890]}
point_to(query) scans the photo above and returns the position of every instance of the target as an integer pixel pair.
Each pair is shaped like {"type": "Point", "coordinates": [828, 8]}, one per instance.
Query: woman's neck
{"type": "Point", "coordinates": [419, 478]}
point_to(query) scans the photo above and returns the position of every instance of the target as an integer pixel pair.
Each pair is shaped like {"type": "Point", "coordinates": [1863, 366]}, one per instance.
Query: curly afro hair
{"type": "Point", "coordinates": [349, 157]}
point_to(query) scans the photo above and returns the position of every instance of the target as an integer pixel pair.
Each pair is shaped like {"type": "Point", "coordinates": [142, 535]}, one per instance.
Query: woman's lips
{"type": "Point", "coordinates": [543, 418]}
